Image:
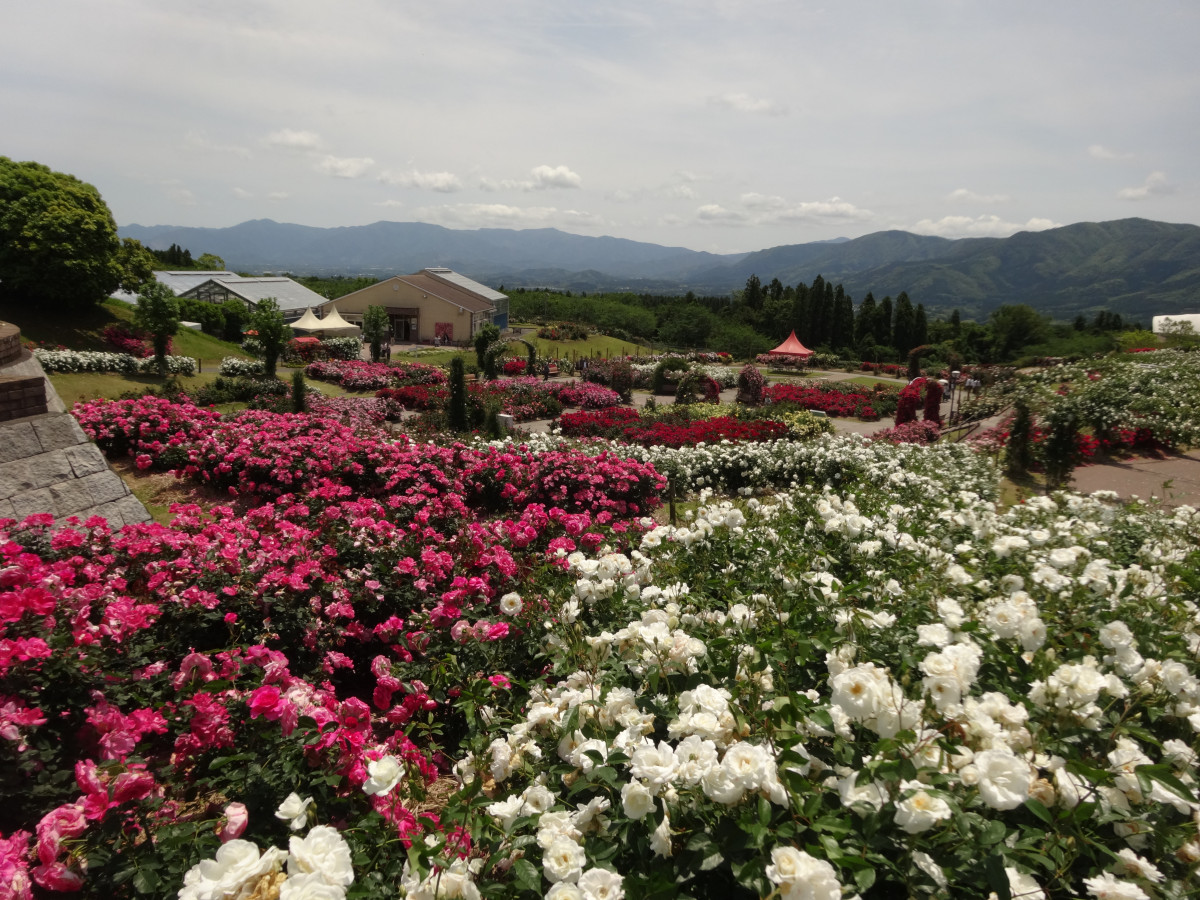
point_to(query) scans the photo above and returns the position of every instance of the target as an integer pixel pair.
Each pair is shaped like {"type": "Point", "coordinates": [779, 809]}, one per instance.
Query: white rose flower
{"type": "Point", "coordinates": [660, 838]}
{"type": "Point", "coordinates": [1004, 779]}
{"type": "Point", "coordinates": [510, 604]}
{"type": "Point", "coordinates": [921, 810]}
{"type": "Point", "coordinates": [636, 800]}
{"type": "Point", "coordinates": [803, 877]}
{"type": "Point", "coordinates": [656, 766]}
{"type": "Point", "coordinates": [238, 864]}
{"type": "Point", "coordinates": [322, 851]}
{"type": "Point", "coordinates": [563, 860]}
{"type": "Point", "coordinates": [1108, 887]}
{"type": "Point", "coordinates": [1022, 886]}
{"type": "Point", "coordinates": [564, 890]}
{"type": "Point", "coordinates": [601, 884]}
{"type": "Point", "coordinates": [310, 887]}
{"type": "Point", "coordinates": [382, 775]}
{"type": "Point", "coordinates": [294, 811]}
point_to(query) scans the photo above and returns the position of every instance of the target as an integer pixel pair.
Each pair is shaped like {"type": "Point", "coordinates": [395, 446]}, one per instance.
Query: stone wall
{"type": "Point", "coordinates": [21, 396]}
{"type": "Point", "coordinates": [48, 465]}
{"type": "Point", "coordinates": [10, 343]}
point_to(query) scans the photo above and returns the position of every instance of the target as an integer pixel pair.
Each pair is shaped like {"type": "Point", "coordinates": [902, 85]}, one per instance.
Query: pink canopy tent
{"type": "Point", "coordinates": [792, 347]}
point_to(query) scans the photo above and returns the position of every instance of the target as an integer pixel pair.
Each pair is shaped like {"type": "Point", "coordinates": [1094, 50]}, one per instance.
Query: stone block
{"type": "Point", "coordinates": [85, 460]}
{"type": "Point", "coordinates": [16, 477]}
{"type": "Point", "coordinates": [6, 510]}
{"type": "Point", "coordinates": [17, 441]}
{"type": "Point", "coordinates": [30, 502]}
{"type": "Point", "coordinates": [70, 497]}
{"type": "Point", "coordinates": [57, 431]}
{"type": "Point", "coordinates": [105, 486]}
{"type": "Point", "coordinates": [49, 468]}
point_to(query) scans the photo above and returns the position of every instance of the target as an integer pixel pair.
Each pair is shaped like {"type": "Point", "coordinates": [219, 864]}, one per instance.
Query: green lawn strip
{"type": "Point", "coordinates": [75, 386]}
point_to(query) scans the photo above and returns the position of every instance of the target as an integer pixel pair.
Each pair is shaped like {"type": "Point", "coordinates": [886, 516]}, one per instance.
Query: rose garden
{"type": "Point", "coordinates": [698, 649]}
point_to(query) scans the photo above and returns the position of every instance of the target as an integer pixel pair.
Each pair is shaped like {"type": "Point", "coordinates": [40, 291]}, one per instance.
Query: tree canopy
{"type": "Point", "coordinates": [158, 313]}
{"type": "Point", "coordinates": [58, 239]}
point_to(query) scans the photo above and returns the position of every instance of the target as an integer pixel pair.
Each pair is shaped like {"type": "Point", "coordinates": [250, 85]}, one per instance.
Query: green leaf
{"type": "Point", "coordinates": [146, 881]}
{"type": "Point", "coordinates": [1038, 809]}
{"type": "Point", "coordinates": [864, 878]}
{"type": "Point", "coordinates": [711, 861]}
{"type": "Point", "coordinates": [527, 876]}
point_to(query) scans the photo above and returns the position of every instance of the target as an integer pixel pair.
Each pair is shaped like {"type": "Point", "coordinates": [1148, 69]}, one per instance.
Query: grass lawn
{"type": "Point", "coordinates": [75, 386]}
{"type": "Point", "coordinates": [869, 382]}
{"type": "Point", "coordinates": [595, 345]}
{"type": "Point", "coordinates": [83, 330]}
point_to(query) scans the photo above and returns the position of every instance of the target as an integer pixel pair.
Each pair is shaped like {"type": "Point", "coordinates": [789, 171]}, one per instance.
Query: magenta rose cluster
{"type": "Point", "coordinates": [164, 688]}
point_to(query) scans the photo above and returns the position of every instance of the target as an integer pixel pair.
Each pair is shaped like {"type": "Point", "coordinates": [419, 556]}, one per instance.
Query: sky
{"type": "Point", "coordinates": [710, 124]}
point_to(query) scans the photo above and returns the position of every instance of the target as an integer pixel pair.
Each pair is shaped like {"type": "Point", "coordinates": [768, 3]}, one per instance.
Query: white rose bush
{"type": "Point", "coordinates": [484, 670]}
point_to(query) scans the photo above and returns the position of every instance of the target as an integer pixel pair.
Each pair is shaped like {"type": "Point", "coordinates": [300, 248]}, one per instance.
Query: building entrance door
{"type": "Point", "coordinates": [404, 327]}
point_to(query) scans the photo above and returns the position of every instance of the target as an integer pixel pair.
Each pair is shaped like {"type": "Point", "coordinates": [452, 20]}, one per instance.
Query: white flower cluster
{"type": "Point", "coordinates": [103, 361]}
{"type": "Point", "coordinates": [931, 606]}
{"type": "Point", "coordinates": [236, 367]}
{"type": "Point", "coordinates": [318, 865]}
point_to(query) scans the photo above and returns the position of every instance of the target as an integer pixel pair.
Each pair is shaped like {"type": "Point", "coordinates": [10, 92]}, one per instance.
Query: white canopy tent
{"type": "Point", "coordinates": [307, 322]}
{"type": "Point", "coordinates": [334, 325]}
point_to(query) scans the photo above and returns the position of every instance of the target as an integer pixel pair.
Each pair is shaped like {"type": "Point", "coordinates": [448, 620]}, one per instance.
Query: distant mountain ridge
{"type": "Point", "coordinates": [1136, 267]}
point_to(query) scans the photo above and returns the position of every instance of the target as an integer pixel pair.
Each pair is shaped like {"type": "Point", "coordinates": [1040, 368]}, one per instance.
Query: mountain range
{"type": "Point", "coordinates": [1136, 267]}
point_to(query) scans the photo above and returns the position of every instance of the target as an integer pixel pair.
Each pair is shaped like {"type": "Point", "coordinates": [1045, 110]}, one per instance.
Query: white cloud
{"type": "Point", "coordinates": [544, 177]}
{"type": "Point", "coordinates": [762, 201]}
{"type": "Point", "coordinates": [345, 167]}
{"type": "Point", "coordinates": [1155, 185]}
{"type": "Point", "coordinates": [1096, 151]}
{"type": "Point", "coordinates": [964, 195]}
{"type": "Point", "coordinates": [980, 226]}
{"type": "Point", "coordinates": [242, 193]}
{"type": "Point", "coordinates": [278, 196]}
{"type": "Point", "coordinates": [555, 177]}
{"type": "Point", "coordinates": [200, 141]}
{"type": "Point", "coordinates": [715, 214]}
{"type": "Point", "coordinates": [503, 215]}
{"type": "Point", "coordinates": [835, 209]}
{"type": "Point", "coordinates": [177, 193]}
{"type": "Point", "coordinates": [740, 102]}
{"type": "Point", "coordinates": [680, 192]}
{"type": "Point", "coordinates": [289, 139]}
{"type": "Point", "coordinates": [442, 182]}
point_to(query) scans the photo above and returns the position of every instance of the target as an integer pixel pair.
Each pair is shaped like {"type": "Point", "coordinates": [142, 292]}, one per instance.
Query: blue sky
{"type": "Point", "coordinates": [722, 126]}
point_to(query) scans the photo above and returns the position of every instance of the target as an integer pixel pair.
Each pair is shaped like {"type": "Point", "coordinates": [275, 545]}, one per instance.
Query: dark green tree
{"type": "Point", "coordinates": [1018, 453]}
{"type": "Point", "coordinates": [955, 322]}
{"type": "Point", "coordinates": [753, 295]}
{"type": "Point", "coordinates": [58, 240]}
{"type": "Point", "coordinates": [299, 392]}
{"type": "Point", "coordinates": [921, 328]}
{"type": "Point", "coordinates": [486, 336]}
{"type": "Point", "coordinates": [864, 322]}
{"type": "Point", "coordinates": [883, 323]}
{"type": "Point", "coordinates": [1015, 326]}
{"type": "Point", "coordinates": [273, 332]}
{"type": "Point", "coordinates": [841, 334]}
{"type": "Point", "coordinates": [136, 263]}
{"type": "Point", "coordinates": [158, 313]}
{"type": "Point", "coordinates": [456, 410]}
{"type": "Point", "coordinates": [905, 324]}
{"type": "Point", "coordinates": [375, 330]}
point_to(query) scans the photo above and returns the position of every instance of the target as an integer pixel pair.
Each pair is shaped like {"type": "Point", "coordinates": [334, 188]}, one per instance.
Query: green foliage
{"type": "Point", "coordinates": [486, 336]}
{"type": "Point", "coordinates": [375, 330]}
{"type": "Point", "coordinates": [210, 262]}
{"type": "Point", "coordinates": [661, 381]}
{"type": "Point", "coordinates": [158, 313]}
{"type": "Point", "coordinates": [1018, 454]}
{"type": "Point", "coordinates": [58, 239]}
{"type": "Point", "coordinates": [272, 332]}
{"type": "Point", "coordinates": [1013, 327]}
{"type": "Point", "coordinates": [299, 392]}
{"type": "Point", "coordinates": [1060, 452]}
{"type": "Point", "coordinates": [457, 408]}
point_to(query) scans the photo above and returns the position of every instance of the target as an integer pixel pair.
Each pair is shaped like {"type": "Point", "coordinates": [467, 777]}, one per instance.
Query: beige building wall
{"type": "Point", "coordinates": [415, 315]}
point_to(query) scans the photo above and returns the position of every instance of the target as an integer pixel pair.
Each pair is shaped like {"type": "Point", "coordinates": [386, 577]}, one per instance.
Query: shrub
{"type": "Point", "coordinates": [236, 367]}
{"type": "Point", "coordinates": [751, 386]}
